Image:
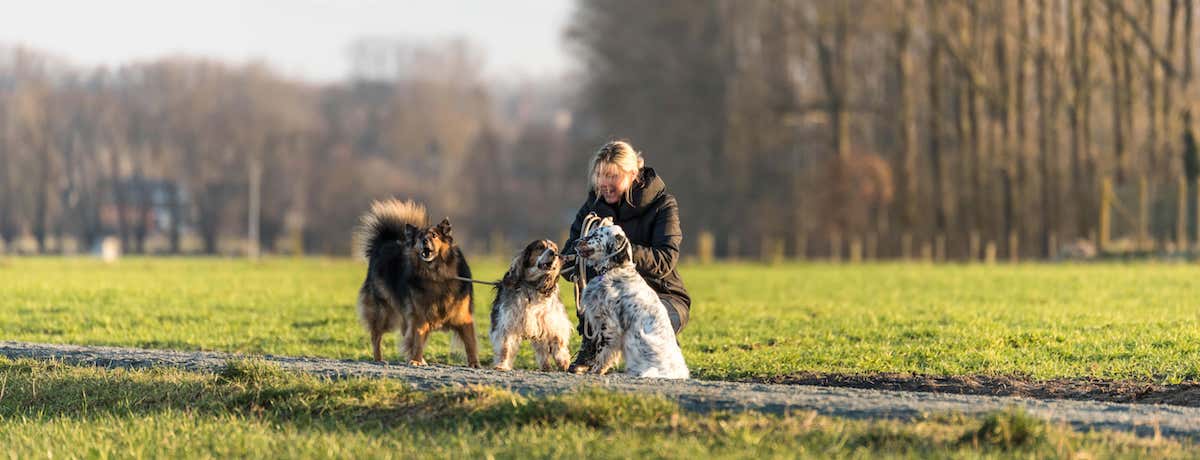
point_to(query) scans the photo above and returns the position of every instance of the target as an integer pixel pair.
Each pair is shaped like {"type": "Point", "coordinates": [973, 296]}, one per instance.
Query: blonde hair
{"type": "Point", "coordinates": [619, 154]}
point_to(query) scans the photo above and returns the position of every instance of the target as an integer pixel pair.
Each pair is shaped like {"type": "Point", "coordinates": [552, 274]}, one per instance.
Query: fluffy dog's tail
{"type": "Point", "coordinates": [385, 222]}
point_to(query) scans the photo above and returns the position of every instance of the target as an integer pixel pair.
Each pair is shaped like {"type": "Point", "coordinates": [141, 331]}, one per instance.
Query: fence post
{"type": "Point", "coordinates": [706, 247]}
{"type": "Point", "coordinates": [835, 247]}
{"type": "Point", "coordinates": [939, 248]}
{"type": "Point", "coordinates": [772, 250]}
{"type": "Point", "coordinates": [1143, 229]}
{"type": "Point", "coordinates": [802, 246]}
{"type": "Point", "coordinates": [906, 247]}
{"type": "Point", "coordinates": [989, 253]}
{"type": "Point", "coordinates": [1181, 240]}
{"type": "Point", "coordinates": [973, 246]}
{"type": "Point", "coordinates": [1106, 192]}
{"type": "Point", "coordinates": [1053, 245]}
{"type": "Point", "coordinates": [1014, 248]}
{"type": "Point", "coordinates": [872, 246]}
{"type": "Point", "coordinates": [856, 250]}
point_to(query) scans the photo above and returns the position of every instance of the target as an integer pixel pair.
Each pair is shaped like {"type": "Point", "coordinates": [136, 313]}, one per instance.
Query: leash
{"type": "Point", "coordinates": [469, 280]}
{"type": "Point", "coordinates": [589, 222]}
{"type": "Point", "coordinates": [590, 331]}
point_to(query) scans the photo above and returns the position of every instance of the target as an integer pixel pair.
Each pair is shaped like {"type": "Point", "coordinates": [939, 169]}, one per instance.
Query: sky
{"type": "Point", "coordinates": [305, 39]}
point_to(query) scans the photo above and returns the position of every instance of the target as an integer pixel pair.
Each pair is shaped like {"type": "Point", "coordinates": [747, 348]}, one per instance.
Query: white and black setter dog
{"type": "Point", "coordinates": [624, 311]}
{"type": "Point", "coordinates": [527, 306]}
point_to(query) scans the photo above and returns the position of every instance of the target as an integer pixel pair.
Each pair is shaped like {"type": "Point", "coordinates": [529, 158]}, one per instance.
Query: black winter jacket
{"type": "Point", "coordinates": [652, 226]}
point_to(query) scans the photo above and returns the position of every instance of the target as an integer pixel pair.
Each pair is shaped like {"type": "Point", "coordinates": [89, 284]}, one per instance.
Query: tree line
{"type": "Point", "coordinates": [902, 125]}
{"type": "Point", "coordinates": [890, 127]}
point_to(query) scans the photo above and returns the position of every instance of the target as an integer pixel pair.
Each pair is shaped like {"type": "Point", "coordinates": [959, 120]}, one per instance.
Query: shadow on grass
{"type": "Point", "coordinates": [253, 388]}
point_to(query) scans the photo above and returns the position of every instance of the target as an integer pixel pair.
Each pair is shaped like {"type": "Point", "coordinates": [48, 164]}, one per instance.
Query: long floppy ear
{"type": "Point", "coordinates": [516, 269]}
{"type": "Point", "coordinates": [410, 232]}
{"type": "Point", "coordinates": [618, 248]}
{"type": "Point", "coordinates": [444, 229]}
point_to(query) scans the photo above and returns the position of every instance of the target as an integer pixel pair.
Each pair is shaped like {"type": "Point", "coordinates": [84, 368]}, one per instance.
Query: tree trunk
{"type": "Point", "coordinates": [41, 199]}
{"type": "Point", "coordinates": [1045, 124]}
{"type": "Point", "coordinates": [1115, 62]}
{"type": "Point", "coordinates": [933, 69]}
{"type": "Point", "coordinates": [908, 127]}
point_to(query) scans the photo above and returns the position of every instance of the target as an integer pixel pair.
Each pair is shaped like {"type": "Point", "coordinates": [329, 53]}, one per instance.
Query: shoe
{"type": "Point", "coordinates": [584, 358]}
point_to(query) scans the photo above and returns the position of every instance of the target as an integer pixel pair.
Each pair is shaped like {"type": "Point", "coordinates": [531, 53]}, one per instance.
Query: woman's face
{"type": "Point", "coordinates": [612, 182]}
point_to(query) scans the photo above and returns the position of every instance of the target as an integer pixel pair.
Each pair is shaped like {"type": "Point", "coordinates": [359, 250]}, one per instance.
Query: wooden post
{"type": "Point", "coordinates": [926, 253]}
{"type": "Point", "coordinates": [771, 250]}
{"type": "Point", "coordinates": [1181, 239]}
{"type": "Point", "coordinates": [906, 241]}
{"type": "Point", "coordinates": [989, 253]}
{"type": "Point", "coordinates": [835, 247]}
{"type": "Point", "coordinates": [856, 250]}
{"type": "Point", "coordinates": [1106, 196]}
{"type": "Point", "coordinates": [706, 247]}
{"type": "Point", "coordinates": [872, 246]}
{"type": "Point", "coordinates": [802, 246]}
{"type": "Point", "coordinates": [973, 246]}
{"type": "Point", "coordinates": [939, 248]}
{"type": "Point", "coordinates": [1014, 248]}
{"type": "Point", "coordinates": [1143, 228]}
{"type": "Point", "coordinates": [252, 247]}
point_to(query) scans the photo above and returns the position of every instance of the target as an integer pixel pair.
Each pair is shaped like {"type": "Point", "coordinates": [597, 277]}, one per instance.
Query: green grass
{"type": "Point", "coordinates": [253, 410]}
{"type": "Point", "coordinates": [1117, 321]}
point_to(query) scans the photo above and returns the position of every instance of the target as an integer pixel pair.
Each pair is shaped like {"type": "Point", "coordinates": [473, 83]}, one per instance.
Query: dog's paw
{"type": "Point", "coordinates": [502, 367]}
{"type": "Point", "coordinates": [416, 362]}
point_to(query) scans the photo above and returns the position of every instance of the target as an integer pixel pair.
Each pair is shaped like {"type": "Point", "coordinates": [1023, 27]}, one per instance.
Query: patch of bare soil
{"type": "Point", "coordinates": [1185, 394]}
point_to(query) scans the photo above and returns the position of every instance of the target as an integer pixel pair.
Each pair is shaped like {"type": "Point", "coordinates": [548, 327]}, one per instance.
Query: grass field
{"type": "Point", "coordinates": [1131, 322]}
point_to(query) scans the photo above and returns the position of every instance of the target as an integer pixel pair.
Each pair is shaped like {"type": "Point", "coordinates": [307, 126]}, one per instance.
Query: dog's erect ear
{"type": "Point", "coordinates": [443, 228]}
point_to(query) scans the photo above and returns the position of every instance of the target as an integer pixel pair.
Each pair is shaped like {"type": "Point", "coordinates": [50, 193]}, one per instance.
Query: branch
{"type": "Point", "coordinates": [1145, 38]}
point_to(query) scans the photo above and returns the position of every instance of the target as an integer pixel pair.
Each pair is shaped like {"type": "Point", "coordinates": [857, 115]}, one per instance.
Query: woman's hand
{"type": "Point", "coordinates": [568, 270]}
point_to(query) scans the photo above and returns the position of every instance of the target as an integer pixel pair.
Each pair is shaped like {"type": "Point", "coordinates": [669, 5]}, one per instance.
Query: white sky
{"type": "Point", "coordinates": [300, 38]}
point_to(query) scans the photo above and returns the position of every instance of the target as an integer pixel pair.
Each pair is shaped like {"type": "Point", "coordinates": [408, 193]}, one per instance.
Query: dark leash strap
{"type": "Point", "coordinates": [469, 280]}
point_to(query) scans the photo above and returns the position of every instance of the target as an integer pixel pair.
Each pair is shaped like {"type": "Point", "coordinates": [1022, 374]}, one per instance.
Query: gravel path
{"type": "Point", "coordinates": [697, 395]}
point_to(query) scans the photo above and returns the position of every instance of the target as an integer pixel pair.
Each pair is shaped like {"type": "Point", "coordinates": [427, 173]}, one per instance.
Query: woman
{"type": "Point", "coordinates": [637, 200]}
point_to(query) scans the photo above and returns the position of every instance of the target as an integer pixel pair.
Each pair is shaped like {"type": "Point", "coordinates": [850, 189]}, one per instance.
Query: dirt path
{"type": "Point", "coordinates": [697, 395]}
{"type": "Point", "coordinates": [1117, 391]}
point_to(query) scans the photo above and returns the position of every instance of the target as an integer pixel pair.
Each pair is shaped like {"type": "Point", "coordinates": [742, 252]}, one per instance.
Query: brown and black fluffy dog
{"type": "Point", "coordinates": [410, 284]}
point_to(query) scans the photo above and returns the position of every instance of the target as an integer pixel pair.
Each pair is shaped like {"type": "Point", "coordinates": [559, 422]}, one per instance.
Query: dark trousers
{"type": "Point", "coordinates": [677, 311]}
